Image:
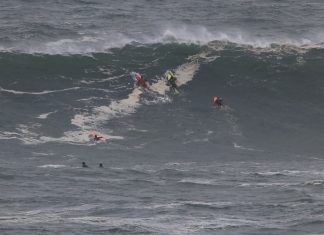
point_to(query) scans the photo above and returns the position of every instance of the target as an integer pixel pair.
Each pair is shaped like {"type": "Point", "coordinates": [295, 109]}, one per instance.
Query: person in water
{"type": "Point", "coordinates": [139, 80]}
{"type": "Point", "coordinates": [100, 165]}
{"type": "Point", "coordinates": [171, 79]}
{"type": "Point", "coordinates": [218, 101]}
{"type": "Point", "coordinates": [84, 165]}
{"type": "Point", "coordinates": [97, 138]}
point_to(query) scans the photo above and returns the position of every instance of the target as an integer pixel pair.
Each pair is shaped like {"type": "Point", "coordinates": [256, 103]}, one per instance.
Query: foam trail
{"type": "Point", "coordinates": [87, 122]}
{"type": "Point", "coordinates": [104, 113]}
{"type": "Point", "coordinates": [120, 108]}
{"type": "Point", "coordinates": [51, 166]}
{"type": "Point", "coordinates": [51, 91]}
{"type": "Point", "coordinates": [186, 72]}
{"type": "Point", "coordinates": [78, 138]}
{"type": "Point", "coordinates": [24, 135]}
{"type": "Point", "coordinates": [237, 146]}
{"type": "Point", "coordinates": [45, 115]}
{"type": "Point", "coordinates": [101, 80]}
{"type": "Point", "coordinates": [37, 93]}
{"type": "Point", "coordinates": [160, 87]}
{"type": "Point", "coordinates": [129, 105]}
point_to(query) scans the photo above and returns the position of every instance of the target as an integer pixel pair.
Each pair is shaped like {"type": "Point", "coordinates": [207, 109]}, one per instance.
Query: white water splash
{"type": "Point", "coordinates": [189, 34]}
{"type": "Point", "coordinates": [52, 166]}
{"type": "Point", "coordinates": [45, 115]}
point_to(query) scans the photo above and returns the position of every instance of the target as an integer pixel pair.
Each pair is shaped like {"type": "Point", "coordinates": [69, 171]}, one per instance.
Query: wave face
{"type": "Point", "coordinates": [172, 162]}
{"type": "Point", "coordinates": [277, 91]}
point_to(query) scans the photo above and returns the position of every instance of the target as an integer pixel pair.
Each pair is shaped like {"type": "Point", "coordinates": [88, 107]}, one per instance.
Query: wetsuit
{"type": "Point", "coordinates": [96, 138]}
{"type": "Point", "coordinates": [140, 81]}
{"type": "Point", "coordinates": [170, 79]}
{"type": "Point", "coordinates": [217, 101]}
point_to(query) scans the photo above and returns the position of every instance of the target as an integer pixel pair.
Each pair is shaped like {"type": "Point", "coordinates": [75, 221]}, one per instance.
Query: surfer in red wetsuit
{"type": "Point", "coordinates": [218, 101]}
{"type": "Point", "coordinates": [139, 80]}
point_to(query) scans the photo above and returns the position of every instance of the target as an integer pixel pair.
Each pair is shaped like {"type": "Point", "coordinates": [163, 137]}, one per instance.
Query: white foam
{"type": "Point", "coordinates": [45, 115]}
{"type": "Point", "coordinates": [42, 154]}
{"type": "Point", "coordinates": [197, 181]}
{"type": "Point", "coordinates": [78, 137]}
{"type": "Point", "coordinates": [37, 93]}
{"type": "Point", "coordinates": [89, 121]}
{"type": "Point", "coordinates": [101, 80]}
{"type": "Point", "coordinates": [160, 87]}
{"type": "Point", "coordinates": [186, 72]}
{"type": "Point", "coordinates": [129, 105]}
{"type": "Point", "coordinates": [83, 45]}
{"type": "Point", "coordinates": [103, 41]}
{"type": "Point", "coordinates": [157, 224]}
{"type": "Point", "coordinates": [121, 107]}
{"type": "Point", "coordinates": [24, 133]}
{"type": "Point", "coordinates": [51, 166]}
{"type": "Point", "coordinates": [212, 204]}
{"type": "Point", "coordinates": [244, 148]}
{"type": "Point", "coordinates": [82, 121]}
{"type": "Point", "coordinates": [196, 140]}
{"type": "Point", "coordinates": [264, 185]}
{"type": "Point", "coordinates": [315, 182]}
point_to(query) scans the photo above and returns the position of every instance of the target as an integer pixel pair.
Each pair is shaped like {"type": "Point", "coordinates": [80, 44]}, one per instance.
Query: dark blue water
{"type": "Point", "coordinates": [172, 163]}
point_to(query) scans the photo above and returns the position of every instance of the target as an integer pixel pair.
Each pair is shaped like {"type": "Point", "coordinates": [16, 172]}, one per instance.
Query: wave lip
{"type": "Point", "coordinates": [188, 34]}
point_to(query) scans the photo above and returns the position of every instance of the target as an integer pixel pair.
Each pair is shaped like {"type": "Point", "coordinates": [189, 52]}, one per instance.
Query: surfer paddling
{"type": "Point", "coordinates": [96, 137]}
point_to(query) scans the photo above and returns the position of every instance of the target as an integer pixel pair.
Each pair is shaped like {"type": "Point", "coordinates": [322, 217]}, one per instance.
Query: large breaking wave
{"type": "Point", "coordinates": [273, 95]}
{"type": "Point", "coordinates": [96, 42]}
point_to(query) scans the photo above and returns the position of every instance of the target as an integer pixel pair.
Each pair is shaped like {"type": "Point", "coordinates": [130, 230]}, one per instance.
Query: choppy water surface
{"type": "Point", "coordinates": [173, 164]}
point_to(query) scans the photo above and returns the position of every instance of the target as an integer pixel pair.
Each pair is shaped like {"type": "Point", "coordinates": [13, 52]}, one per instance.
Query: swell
{"type": "Point", "coordinates": [261, 87]}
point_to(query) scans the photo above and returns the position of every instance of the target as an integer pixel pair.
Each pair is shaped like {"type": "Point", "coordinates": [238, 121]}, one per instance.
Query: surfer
{"type": "Point", "coordinates": [139, 80]}
{"type": "Point", "coordinates": [84, 165]}
{"type": "Point", "coordinates": [100, 165]}
{"type": "Point", "coordinates": [217, 101]}
{"type": "Point", "coordinates": [171, 80]}
{"type": "Point", "coordinates": [97, 138]}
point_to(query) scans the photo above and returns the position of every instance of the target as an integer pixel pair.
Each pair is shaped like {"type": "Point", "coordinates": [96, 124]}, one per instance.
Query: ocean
{"type": "Point", "coordinates": [173, 163]}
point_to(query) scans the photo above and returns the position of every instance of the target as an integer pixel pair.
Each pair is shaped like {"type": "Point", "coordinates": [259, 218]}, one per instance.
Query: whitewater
{"type": "Point", "coordinates": [172, 163]}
